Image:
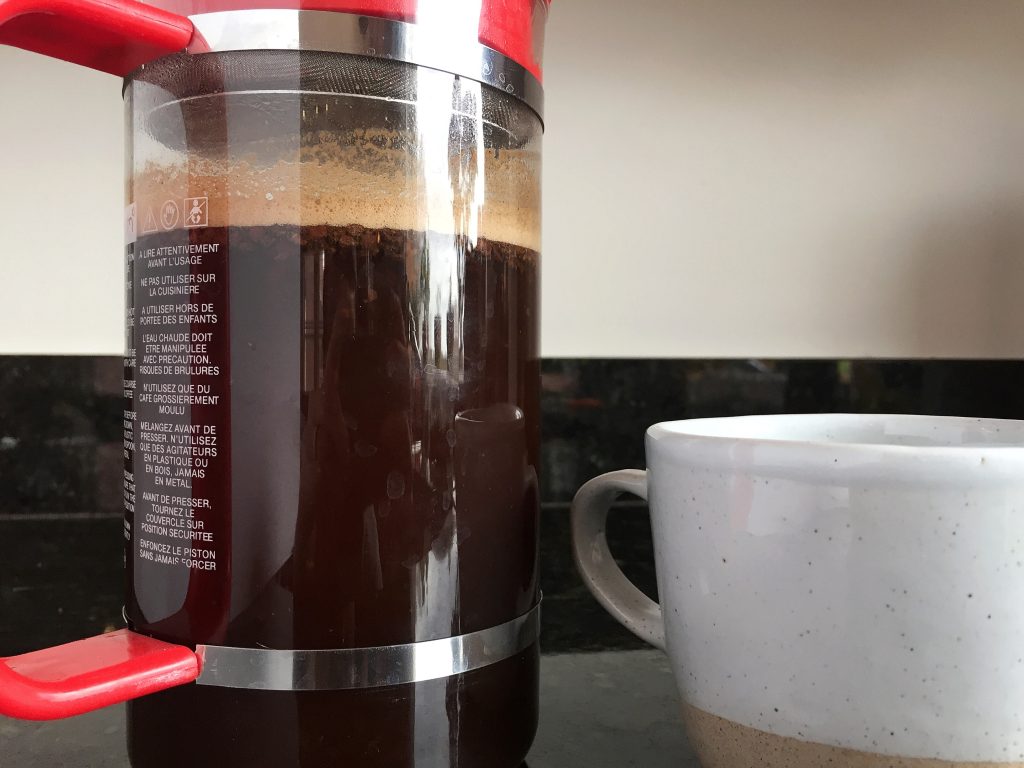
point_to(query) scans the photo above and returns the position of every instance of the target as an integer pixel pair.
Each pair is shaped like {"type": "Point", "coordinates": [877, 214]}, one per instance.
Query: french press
{"type": "Point", "coordinates": [331, 381]}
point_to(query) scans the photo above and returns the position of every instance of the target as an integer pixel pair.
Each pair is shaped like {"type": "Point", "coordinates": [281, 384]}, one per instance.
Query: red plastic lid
{"type": "Point", "coordinates": [113, 36]}
{"type": "Point", "coordinates": [117, 36]}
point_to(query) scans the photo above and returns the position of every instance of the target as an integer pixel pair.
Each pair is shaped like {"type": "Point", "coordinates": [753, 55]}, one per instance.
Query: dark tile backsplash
{"type": "Point", "coordinates": [60, 417]}
{"type": "Point", "coordinates": [60, 434]}
{"type": "Point", "coordinates": [60, 467]}
{"type": "Point", "coordinates": [595, 411]}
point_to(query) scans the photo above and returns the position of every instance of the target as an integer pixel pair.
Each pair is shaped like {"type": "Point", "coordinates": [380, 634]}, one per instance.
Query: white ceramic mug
{"type": "Point", "coordinates": [835, 589]}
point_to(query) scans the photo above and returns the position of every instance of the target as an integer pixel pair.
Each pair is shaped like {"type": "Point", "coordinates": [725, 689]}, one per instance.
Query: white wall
{"type": "Point", "coordinates": [723, 178]}
{"type": "Point", "coordinates": [61, 208]}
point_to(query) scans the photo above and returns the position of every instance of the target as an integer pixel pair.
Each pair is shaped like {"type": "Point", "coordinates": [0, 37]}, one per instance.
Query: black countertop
{"type": "Point", "coordinates": [600, 710]}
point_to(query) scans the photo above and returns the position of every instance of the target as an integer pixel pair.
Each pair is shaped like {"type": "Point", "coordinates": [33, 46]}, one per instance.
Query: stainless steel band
{"type": "Point", "coordinates": [427, 45]}
{"type": "Point", "coordinates": [348, 668]}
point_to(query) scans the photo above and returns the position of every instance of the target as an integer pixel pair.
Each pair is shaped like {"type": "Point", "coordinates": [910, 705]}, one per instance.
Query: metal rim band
{"type": "Point", "coordinates": [351, 668]}
{"type": "Point", "coordinates": [334, 32]}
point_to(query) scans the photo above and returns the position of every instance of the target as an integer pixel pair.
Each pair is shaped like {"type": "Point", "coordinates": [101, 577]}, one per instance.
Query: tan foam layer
{"type": "Point", "coordinates": [362, 184]}
{"type": "Point", "coordinates": [722, 743]}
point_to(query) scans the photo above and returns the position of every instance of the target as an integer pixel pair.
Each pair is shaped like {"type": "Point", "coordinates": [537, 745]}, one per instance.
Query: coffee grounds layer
{"type": "Point", "coordinates": [721, 743]}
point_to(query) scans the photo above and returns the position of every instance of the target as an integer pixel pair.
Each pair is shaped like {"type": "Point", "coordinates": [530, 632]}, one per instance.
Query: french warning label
{"type": "Point", "coordinates": [177, 413]}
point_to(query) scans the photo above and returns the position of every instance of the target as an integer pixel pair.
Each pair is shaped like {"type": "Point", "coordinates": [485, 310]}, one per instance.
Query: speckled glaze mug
{"type": "Point", "coordinates": [836, 590]}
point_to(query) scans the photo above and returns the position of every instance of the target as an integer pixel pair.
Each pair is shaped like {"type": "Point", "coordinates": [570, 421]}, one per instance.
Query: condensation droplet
{"type": "Point", "coordinates": [270, 196]}
{"type": "Point", "coordinates": [450, 437]}
{"type": "Point", "coordinates": [365, 449]}
{"type": "Point", "coordinates": [395, 485]}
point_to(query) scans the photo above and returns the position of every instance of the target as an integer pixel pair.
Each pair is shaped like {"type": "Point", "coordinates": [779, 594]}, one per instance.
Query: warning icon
{"type": "Point", "coordinates": [129, 223]}
{"type": "Point", "coordinates": [149, 225]}
{"type": "Point", "coordinates": [169, 214]}
{"type": "Point", "coordinates": [196, 211]}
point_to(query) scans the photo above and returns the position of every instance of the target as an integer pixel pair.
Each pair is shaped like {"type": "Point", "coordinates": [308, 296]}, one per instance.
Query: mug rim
{"type": "Point", "coordinates": [720, 442]}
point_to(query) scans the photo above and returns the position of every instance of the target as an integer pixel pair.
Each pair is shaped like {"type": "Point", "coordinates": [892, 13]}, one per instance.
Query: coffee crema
{"type": "Point", "coordinates": [367, 180]}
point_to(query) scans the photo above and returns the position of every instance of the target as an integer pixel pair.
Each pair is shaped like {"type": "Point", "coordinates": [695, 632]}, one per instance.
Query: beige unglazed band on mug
{"type": "Point", "coordinates": [352, 668]}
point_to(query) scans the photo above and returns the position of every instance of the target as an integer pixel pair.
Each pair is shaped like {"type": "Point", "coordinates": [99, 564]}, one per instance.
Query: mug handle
{"type": "Point", "coordinates": [602, 575]}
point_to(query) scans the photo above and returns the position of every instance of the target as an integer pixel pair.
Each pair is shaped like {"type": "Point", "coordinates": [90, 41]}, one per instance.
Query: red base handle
{"type": "Point", "coordinates": [115, 36]}
{"type": "Point", "coordinates": [89, 674]}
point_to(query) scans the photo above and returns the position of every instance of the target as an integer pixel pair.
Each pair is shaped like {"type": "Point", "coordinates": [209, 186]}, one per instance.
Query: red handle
{"type": "Point", "coordinates": [79, 677]}
{"type": "Point", "coordinates": [115, 36]}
